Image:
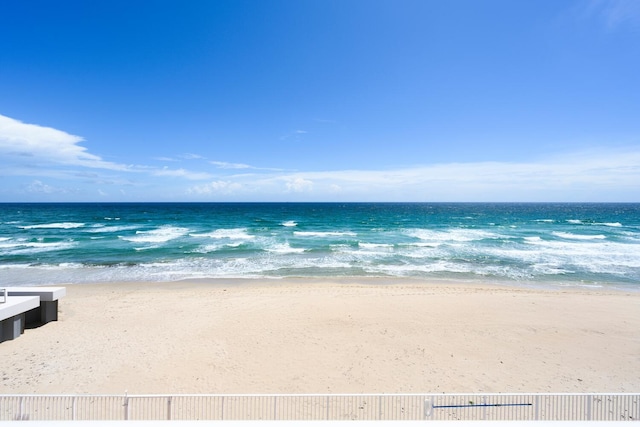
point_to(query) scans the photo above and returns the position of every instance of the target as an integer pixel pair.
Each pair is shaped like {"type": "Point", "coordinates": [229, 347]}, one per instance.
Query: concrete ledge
{"type": "Point", "coordinates": [13, 315]}
{"type": "Point", "coordinates": [46, 293]}
{"type": "Point", "coordinates": [48, 309]}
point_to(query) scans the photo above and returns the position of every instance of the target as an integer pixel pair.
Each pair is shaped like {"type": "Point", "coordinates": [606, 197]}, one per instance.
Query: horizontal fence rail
{"type": "Point", "coordinates": [547, 407]}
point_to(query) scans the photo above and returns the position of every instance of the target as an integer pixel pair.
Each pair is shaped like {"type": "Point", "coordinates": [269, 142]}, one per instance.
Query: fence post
{"type": "Point", "coordinates": [327, 417]}
{"type": "Point", "coordinates": [21, 416]}
{"type": "Point", "coordinates": [428, 408]}
{"type": "Point", "coordinates": [126, 407]}
{"type": "Point", "coordinates": [169, 408]}
{"type": "Point", "coordinates": [73, 408]}
{"type": "Point", "coordinates": [275, 407]}
{"type": "Point", "coordinates": [222, 408]}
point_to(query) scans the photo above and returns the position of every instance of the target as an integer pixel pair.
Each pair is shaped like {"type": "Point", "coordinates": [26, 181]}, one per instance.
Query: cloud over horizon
{"type": "Point", "coordinates": [587, 175]}
{"type": "Point", "coordinates": [34, 150]}
{"type": "Point", "coordinates": [37, 144]}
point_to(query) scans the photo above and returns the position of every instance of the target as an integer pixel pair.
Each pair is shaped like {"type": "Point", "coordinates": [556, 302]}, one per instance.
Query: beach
{"type": "Point", "coordinates": [330, 335]}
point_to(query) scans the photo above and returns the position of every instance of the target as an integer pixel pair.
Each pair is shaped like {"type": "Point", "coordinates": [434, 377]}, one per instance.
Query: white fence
{"type": "Point", "coordinates": [551, 407]}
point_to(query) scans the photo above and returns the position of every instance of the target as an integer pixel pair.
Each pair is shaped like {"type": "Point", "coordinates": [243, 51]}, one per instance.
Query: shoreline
{"type": "Point", "coordinates": [333, 335]}
{"type": "Point", "coordinates": [615, 287]}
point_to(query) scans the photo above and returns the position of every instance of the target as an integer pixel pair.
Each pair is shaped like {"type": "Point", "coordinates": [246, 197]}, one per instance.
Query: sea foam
{"type": "Point", "coordinates": [226, 233]}
{"type": "Point", "coordinates": [158, 235]}
{"type": "Point", "coordinates": [64, 225]}
{"type": "Point", "coordinates": [573, 236]}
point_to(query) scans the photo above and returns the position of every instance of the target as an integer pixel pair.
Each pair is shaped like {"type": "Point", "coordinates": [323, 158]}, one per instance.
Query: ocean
{"type": "Point", "coordinates": [557, 244]}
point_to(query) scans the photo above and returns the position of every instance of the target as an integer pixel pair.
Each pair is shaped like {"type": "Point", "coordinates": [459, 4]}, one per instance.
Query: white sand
{"type": "Point", "coordinates": [304, 336]}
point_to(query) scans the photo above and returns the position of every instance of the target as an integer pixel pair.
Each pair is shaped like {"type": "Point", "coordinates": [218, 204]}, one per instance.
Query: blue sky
{"type": "Point", "coordinates": [320, 100]}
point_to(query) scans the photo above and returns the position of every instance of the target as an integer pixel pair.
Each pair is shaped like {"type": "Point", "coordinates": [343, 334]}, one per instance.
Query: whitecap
{"type": "Point", "coordinates": [578, 236]}
{"type": "Point", "coordinates": [64, 225]}
{"type": "Point", "coordinates": [111, 228]}
{"type": "Point", "coordinates": [284, 248]}
{"type": "Point", "coordinates": [159, 235]}
{"type": "Point", "coordinates": [289, 224]}
{"type": "Point", "coordinates": [421, 244]}
{"type": "Point", "coordinates": [455, 235]}
{"type": "Point", "coordinates": [375, 245]}
{"type": "Point", "coordinates": [226, 233]}
{"type": "Point", "coordinates": [21, 248]}
{"type": "Point", "coordinates": [324, 233]}
{"type": "Point", "coordinates": [205, 249]}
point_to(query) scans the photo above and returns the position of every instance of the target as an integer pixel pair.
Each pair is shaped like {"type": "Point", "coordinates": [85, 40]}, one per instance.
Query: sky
{"type": "Point", "coordinates": [320, 100]}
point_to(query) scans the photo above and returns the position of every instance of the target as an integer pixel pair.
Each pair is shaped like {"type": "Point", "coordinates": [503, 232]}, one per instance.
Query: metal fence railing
{"type": "Point", "coordinates": [548, 407]}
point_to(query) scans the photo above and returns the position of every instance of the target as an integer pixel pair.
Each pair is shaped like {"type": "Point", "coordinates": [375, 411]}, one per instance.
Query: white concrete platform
{"type": "Point", "coordinates": [48, 308]}
{"type": "Point", "coordinates": [13, 315]}
{"type": "Point", "coordinates": [46, 293]}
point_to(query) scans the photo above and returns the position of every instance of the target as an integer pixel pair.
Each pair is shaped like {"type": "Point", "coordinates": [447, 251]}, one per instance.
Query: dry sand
{"type": "Point", "coordinates": [313, 336]}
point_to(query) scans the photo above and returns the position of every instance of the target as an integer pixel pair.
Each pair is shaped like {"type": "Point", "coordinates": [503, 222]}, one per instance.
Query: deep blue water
{"type": "Point", "coordinates": [548, 244]}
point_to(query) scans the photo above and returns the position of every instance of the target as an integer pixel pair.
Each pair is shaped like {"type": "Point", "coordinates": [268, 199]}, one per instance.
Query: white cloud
{"type": "Point", "coordinates": [38, 145]}
{"type": "Point", "coordinates": [215, 187]}
{"type": "Point", "coordinates": [585, 176]}
{"type": "Point", "coordinates": [298, 184]}
{"type": "Point", "coordinates": [191, 156]}
{"type": "Point", "coordinates": [32, 151]}
{"type": "Point", "coordinates": [181, 173]}
{"type": "Point", "coordinates": [37, 186]}
{"type": "Point", "coordinates": [226, 165]}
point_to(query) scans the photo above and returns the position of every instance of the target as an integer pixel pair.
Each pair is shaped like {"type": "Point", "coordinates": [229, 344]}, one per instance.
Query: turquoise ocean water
{"type": "Point", "coordinates": [535, 244]}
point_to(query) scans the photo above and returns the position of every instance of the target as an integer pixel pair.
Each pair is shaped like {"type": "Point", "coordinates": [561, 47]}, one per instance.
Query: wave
{"type": "Point", "coordinates": [573, 236]}
{"type": "Point", "coordinates": [111, 228]}
{"type": "Point", "coordinates": [211, 248]}
{"type": "Point", "coordinates": [284, 248]}
{"type": "Point", "coordinates": [411, 269]}
{"type": "Point", "coordinates": [65, 225]}
{"type": "Point", "coordinates": [547, 245]}
{"type": "Point", "coordinates": [452, 235]}
{"type": "Point", "coordinates": [324, 233]}
{"type": "Point", "coordinates": [375, 245]}
{"type": "Point", "coordinates": [585, 222]}
{"type": "Point", "coordinates": [25, 248]}
{"type": "Point", "coordinates": [226, 233]}
{"type": "Point", "coordinates": [530, 259]}
{"type": "Point", "coordinates": [159, 235]}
